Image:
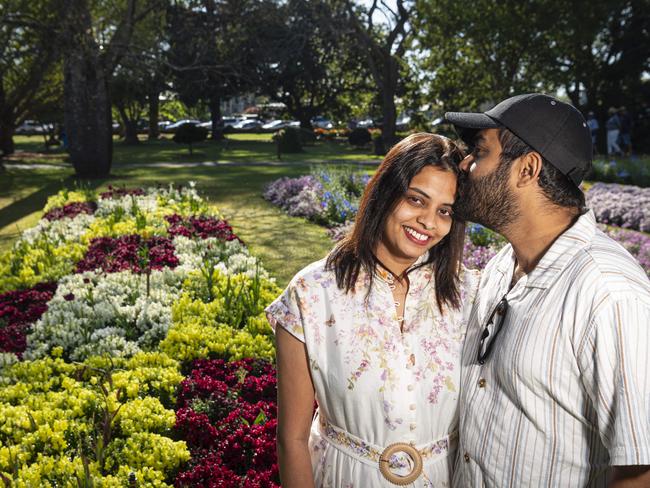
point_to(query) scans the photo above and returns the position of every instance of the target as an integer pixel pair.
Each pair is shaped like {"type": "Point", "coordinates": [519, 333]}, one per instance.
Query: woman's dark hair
{"type": "Point", "coordinates": [383, 193]}
{"type": "Point", "coordinates": [557, 187]}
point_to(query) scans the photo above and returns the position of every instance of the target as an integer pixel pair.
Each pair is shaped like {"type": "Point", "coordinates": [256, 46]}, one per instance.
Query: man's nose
{"type": "Point", "coordinates": [466, 163]}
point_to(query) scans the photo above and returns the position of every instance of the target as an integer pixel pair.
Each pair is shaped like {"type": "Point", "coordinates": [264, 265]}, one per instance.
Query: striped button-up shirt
{"type": "Point", "coordinates": [565, 392]}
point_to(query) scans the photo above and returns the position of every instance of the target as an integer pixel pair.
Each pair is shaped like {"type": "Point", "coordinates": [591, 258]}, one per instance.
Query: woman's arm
{"type": "Point", "coordinates": [295, 411]}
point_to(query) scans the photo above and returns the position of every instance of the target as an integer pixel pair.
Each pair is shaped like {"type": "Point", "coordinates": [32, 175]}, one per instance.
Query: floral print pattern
{"type": "Point", "coordinates": [372, 380]}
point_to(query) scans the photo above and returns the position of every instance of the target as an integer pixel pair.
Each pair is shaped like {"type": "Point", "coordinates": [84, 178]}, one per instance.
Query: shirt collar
{"type": "Point", "coordinates": [558, 256]}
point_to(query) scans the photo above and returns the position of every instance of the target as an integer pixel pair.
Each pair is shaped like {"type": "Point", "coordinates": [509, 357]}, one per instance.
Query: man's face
{"type": "Point", "coordinates": [485, 195]}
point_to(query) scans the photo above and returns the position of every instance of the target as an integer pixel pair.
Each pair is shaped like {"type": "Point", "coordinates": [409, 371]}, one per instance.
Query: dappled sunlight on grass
{"type": "Point", "coordinates": [241, 148]}
{"type": "Point", "coordinates": [285, 244]}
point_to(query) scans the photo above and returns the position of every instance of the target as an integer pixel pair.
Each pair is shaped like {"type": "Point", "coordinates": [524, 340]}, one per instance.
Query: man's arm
{"type": "Point", "coordinates": [630, 477]}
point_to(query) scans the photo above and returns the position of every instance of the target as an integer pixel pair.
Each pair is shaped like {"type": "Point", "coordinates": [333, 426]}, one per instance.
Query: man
{"type": "Point", "coordinates": [556, 383]}
{"type": "Point", "coordinates": [625, 136]}
{"type": "Point", "coordinates": [613, 126]}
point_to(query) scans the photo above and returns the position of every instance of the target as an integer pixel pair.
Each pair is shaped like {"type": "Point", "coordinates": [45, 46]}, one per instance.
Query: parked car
{"type": "Point", "coordinates": [403, 123]}
{"type": "Point", "coordinates": [247, 125]}
{"type": "Point", "coordinates": [176, 125]}
{"type": "Point", "coordinates": [226, 122]}
{"type": "Point", "coordinates": [280, 124]}
{"type": "Point", "coordinates": [163, 124]}
{"type": "Point", "coordinates": [322, 123]}
{"type": "Point", "coordinates": [31, 127]}
{"type": "Point", "coordinates": [365, 124]}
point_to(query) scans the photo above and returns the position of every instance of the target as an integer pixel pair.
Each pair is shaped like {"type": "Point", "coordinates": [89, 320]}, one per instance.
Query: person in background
{"type": "Point", "coordinates": [374, 333]}
{"type": "Point", "coordinates": [592, 123]}
{"type": "Point", "coordinates": [625, 137]}
{"type": "Point", "coordinates": [613, 126]}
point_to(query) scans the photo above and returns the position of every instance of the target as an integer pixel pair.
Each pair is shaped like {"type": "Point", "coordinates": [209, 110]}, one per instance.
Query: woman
{"type": "Point", "coordinates": [374, 333]}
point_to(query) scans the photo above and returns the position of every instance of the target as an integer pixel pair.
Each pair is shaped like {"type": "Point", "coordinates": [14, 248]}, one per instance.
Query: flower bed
{"type": "Point", "coordinates": [326, 196]}
{"type": "Point", "coordinates": [104, 304]}
{"type": "Point", "coordinates": [621, 205]}
{"type": "Point", "coordinates": [613, 204]}
{"type": "Point", "coordinates": [228, 415]}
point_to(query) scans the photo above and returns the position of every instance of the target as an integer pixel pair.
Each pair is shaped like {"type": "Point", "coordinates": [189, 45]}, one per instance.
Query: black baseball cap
{"type": "Point", "coordinates": [555, 129]}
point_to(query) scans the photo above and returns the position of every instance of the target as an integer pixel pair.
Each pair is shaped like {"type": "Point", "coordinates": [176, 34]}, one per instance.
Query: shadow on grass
{"type": "Point", "coordinates": [35, 201]}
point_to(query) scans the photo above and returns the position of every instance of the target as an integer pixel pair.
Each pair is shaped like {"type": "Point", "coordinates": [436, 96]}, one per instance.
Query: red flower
{"type": "Point", "coordinates": [20, 309]}
{"type": "Point", "coordinates": [125, 253]}
{"type": "Point", "coordinates": [200, 226]}
{"type": "Point", "coordinates": [71, 210]}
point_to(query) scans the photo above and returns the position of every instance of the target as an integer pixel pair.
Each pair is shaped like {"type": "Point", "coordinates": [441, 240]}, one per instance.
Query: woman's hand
{"type": "Point", "coordinates": [295, 411]}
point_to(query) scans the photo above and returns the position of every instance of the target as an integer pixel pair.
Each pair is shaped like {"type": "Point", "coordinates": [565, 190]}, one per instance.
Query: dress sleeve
{"type": "Point", "coordinates": [471, 279]}
{"type": "Point", "coordinates": [285, 311]}
{"type": "Point", "coordinates": [614, 363]}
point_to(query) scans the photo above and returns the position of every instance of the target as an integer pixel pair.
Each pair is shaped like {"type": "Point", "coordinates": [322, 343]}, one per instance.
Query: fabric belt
{"type": "Point", "coordinates": [401, 461]}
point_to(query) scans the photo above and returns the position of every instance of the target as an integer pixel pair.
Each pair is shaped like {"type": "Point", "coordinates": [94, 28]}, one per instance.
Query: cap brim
{"type": "Point", "coordinates": [471, 120]}
{"type": "Point", "coordinates": [467, 125]}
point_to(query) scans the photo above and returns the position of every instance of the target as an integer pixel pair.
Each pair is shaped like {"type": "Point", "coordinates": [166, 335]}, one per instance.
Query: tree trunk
{"type": "Point", "coordinates": [154, 106]}
{"type": "Point", "coordinates": [216, 118]}
{"type": "Point", "coordinates": [6, 139]}
{"type": "Point", "coordinates": [6, 124]}
{"type": "Point", "coordinates": [130, 127]}
{"type": "Point", "coordinates": [87, 106]}
{"type": "Point", "coordinates": [389, 112]}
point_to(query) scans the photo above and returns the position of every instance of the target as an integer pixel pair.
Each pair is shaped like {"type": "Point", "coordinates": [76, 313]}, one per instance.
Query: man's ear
{"type": "Point", "coordinates": [528, 168]}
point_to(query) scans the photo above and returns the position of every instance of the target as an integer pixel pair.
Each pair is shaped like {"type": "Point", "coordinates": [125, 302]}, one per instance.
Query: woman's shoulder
{"type": "Point", "coordinates": [316, 273]}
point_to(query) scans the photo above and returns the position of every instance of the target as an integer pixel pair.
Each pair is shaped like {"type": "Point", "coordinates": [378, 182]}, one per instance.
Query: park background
{"type": "Point", "coordinates": [167, 166]}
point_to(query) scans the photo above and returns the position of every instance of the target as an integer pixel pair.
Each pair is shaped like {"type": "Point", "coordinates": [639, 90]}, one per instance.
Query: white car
{"type": "Point", "coordinates": [280, 124]}
{"type": "Point", "coordinates": [173, 127]}
{"type": "Point", "coordinates": [322, 123]}
{"type": "Point", "coordinates": [31, 127]}
{"type": "Point", "coordinates": [247, 125]}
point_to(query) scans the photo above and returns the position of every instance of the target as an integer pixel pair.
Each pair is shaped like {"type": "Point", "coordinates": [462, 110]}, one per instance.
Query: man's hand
{"type": "Point", "coordinates": [630, 477]}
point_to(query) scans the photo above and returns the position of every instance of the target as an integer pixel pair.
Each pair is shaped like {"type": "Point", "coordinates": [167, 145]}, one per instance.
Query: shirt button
{"type": "Point", "coordinates": [481, 383]}
{"type": "Point", "coordinates": [466, 457]}
{"type": "Point", "coordinates": [410, 387]}
{"type": "Point", "coordinates": [412, 426]}
{"type": "Point", "coordinates": [412, 406]}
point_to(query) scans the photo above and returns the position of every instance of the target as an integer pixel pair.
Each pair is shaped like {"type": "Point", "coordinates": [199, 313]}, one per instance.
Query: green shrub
{"type": "Point", "coordinates": [289, 140]}
{"type": "Point", "coordinates": [190, 134]}
{"type": "Point", "coordinates": [307, 136]}
{"type": "Point", "coordinates": [359, 137]}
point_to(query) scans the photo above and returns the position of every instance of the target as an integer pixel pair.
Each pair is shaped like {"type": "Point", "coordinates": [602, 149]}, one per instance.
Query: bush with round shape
{"type": "Point", "coordinates": [359, 137]}
{"type": "Point", "coordinates": [190, 134]}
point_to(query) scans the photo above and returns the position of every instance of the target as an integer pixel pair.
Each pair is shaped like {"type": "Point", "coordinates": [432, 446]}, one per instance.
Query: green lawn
{"type": "Point", "coordinates": [285, 244]}
{"type": "Point", "coordinates": [242, 148]}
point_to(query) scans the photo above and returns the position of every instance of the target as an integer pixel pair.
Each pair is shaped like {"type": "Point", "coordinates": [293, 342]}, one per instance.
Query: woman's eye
{"type": "Point", "coordinates": [445, 211]}
{"type": "Point", "coordinates": [415, 200]}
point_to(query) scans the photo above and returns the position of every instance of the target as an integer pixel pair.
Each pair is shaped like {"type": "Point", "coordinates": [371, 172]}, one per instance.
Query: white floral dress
{"type": "Point", "coordinates": [376, 385]}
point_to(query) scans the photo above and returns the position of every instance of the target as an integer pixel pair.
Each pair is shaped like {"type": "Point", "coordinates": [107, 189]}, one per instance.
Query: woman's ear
{"type": "Point", "coordinates": [528, 168]}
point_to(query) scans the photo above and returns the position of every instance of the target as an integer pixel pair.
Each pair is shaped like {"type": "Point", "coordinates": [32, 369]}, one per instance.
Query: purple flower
{"type": "Point", "coordinates": [625, 206]}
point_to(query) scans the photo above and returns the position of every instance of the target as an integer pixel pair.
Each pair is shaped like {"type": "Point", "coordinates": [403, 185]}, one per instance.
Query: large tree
{"type": "Point", "coordinates": [315, 62]}
{"type": "Point", "coordinates": [383, 33]}
{"type": "Point", "coordinates": [219, 49]}
{"type": "Point", "coordinates": [94, 37]}
{"type": "Point", "coordinates": [140, 77]}
{"type": "Point", "coordinates": [28, 64]}
{"type": "Point", "coordinates": [477, 52]}
{"type": "Point", "coordinates": [480, 52]}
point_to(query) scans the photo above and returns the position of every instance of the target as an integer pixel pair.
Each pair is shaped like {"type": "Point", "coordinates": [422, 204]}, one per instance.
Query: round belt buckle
{"type": "Point", "coordinates": [384, 463]}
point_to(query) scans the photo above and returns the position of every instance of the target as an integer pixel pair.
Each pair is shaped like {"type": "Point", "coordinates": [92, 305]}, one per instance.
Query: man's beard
{"type": "Point", "coordinates": [488, 200]}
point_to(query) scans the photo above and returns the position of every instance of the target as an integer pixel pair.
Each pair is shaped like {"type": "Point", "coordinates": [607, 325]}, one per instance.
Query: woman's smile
{"type": "Point", "coordinates": [418, 238]}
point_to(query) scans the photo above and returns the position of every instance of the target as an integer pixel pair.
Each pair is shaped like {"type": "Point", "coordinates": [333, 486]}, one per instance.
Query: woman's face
{"type": "Point", "coordinates": [422, 217]}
